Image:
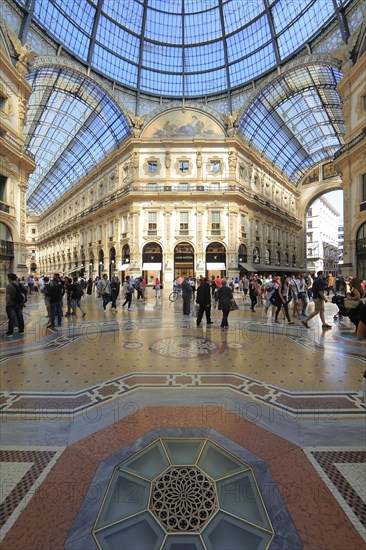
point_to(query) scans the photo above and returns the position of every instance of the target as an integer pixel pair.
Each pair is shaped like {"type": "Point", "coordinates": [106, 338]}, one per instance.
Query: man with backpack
{"type": "Point", "coordinates": [76, 293]}
{"type": "Point", "coordinates": [16, 296]}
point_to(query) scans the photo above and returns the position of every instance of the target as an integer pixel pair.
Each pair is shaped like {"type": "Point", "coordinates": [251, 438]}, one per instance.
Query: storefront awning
{"type": "Point", "coordinates": [152, 267]}
{"type": "Point", "coordinates": [247, 267]}
{"type": "Point", "coordinates": [259, 268]}
{"type": "Point", "coordinates": [215, 266]}
{"type": "Point", "coordinates": [123, 267]}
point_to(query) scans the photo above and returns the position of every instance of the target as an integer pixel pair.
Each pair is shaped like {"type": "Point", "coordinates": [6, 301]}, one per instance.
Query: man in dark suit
{"type": "Point", "coordinates": [203, 299]}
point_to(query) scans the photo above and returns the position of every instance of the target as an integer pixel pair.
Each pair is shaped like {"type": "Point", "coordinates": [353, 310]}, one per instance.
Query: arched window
{"type": "Point", "coordinates": [243, 253]}
{"type": "Point", "coordinates": [256, 255]}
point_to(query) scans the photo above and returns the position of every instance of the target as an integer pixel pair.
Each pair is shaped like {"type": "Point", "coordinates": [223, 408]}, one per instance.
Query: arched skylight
{"type": "Point", "coordinates": [297, 120]}
{"type": "Point", "coordinates": [72, 124]}
{"type": "Point", "coordinates": [183, 47]}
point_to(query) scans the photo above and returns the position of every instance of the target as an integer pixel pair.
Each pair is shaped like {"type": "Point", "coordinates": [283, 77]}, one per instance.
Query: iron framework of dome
{"type": "Point", "coordinates": [184, 48]}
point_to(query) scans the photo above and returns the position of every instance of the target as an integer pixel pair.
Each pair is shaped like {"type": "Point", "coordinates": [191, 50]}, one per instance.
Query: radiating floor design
{"type": "Point", "coordinates": [151, 370]}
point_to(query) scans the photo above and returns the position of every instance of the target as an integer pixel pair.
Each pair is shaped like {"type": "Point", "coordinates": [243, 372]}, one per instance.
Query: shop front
{"type": "Point", "coordinates": [184, 260]}
{"type": "Point", "coordinates": [152, 262]}
{"type": "Point", "coordinates": [215, 260]}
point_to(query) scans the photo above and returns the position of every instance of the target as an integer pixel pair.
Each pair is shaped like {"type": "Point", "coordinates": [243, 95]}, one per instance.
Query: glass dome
{"type": "Point", "coordinates": [183, 48]}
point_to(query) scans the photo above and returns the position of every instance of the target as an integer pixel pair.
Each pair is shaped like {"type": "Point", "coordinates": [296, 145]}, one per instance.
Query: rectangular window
{"type": "Point", "coordinates": [33, 231]}
{"type": "Point", "coordinates": [310, 224]}
{"type": "Point", "coordinates": [124, 224]}
{"type": "Point", "coordinates": [151, 186]}
{"type": "Point", "coordinates": [183, 187]}
{"type": "Point", "coordinates": [100, 233]}
{"type": "Point", "coordinates": [309, 237]}
{"type": "Point", "coordinates": [310, 251]}
{"type": "Point", "coordinates": [3, 180]}
{"type": "Point", "coordinates": [215, 220]}
{"type": "Point", "coordinates": [111, 228]}
{"type": "Point", "coordinates": [183, 220]}
{"type": "Point", "coordinates": [243, 225]}
{"type": "Point", "coordinates": [215, 186]}
{"type": "Point", "coordinates": [152, 221]}
{"type": "Point", "coordinates": [152, 166]}
{"type": "Point", "coordinates": [309, 213]}
{"type": "Point", "coordinates": [363, 187]}
{"type": "Point", "coordinates": [184, 166]}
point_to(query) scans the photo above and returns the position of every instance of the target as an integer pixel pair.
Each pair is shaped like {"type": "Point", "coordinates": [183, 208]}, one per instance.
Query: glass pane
{"type": "Point", "coordinates": [149, 463]}
{"type": "Point", "coordinates": [183, 451]}
{"type": "Point", "coordinates": [126, 496]}
{"type": "Point", "coordinates": [216, 462]}
{"type": "Point", "coordinates": [239, 495]}
{"type": "Point", "coordinates": [137, 533]}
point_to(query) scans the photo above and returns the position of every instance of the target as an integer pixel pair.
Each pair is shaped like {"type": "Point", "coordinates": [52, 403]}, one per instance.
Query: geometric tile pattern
{"type": "Point", "coordinates": [39, 463]}
{"type": "Point", "coordinates": [328, 462]}
{"type": "Point", "coordinates": [40, 405]}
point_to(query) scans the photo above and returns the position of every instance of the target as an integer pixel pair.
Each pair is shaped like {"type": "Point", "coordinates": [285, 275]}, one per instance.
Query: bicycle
{"type": "Point", "coordinates": [173, 296]}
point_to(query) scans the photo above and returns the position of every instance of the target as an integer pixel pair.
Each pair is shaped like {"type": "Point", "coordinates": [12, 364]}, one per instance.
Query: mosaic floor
{"type": "Point", "coordinates": [72, 397]}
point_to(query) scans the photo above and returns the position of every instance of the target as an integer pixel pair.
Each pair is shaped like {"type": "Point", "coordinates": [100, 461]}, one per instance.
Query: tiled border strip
{"type": "Point", "coordinates": [38, 405]}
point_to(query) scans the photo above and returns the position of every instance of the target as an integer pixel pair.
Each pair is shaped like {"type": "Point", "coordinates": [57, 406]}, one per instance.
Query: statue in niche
{"type": "Point", "coordinates": [168, 160]}
{"type": "Point", "coordinates": [134, 160]}
{"type": "Point", "coordinates": [199, 160]}
{"type": "Point", "coordinates": [232, 159]}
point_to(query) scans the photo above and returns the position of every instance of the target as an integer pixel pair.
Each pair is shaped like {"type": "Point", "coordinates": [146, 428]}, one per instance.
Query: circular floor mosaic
{"type": "Point", "coordinates": [184, 346]}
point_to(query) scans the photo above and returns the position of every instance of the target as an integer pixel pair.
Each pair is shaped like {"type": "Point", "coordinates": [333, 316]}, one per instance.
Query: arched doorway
{"type": "Point", "coordinates": [361, 252]}
{"type": "Point", "coordinates": [112, 262]}
{"type": "Point", "coordinates": [183, 260]}
{"type": "Point", "coordinates": [215, 260]}
{"type": "Point", "coordinates": [126, 258]}
{"type": "Point", "coordinates": [91, 265]}
{"type": "Point", "coordinates": [243, 266]}
{"type": "Point", "coordinates": [6, 254]}
{"type": "Point", "coordinates": [100, 263]}
{"type": "Point", "coordinates": [82, 266]}
{"type": "Point", "coordinates": [152, 261]}
{"type": "Point", "coordinates": [256, 255]}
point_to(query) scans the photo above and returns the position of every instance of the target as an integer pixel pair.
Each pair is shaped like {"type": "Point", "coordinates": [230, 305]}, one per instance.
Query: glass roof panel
{"type": "Point", "coordinates": [215, 80]}
{"type": "Point", "coordinates": [295, 120]}
{"type": "Point", "coordinates": [110, 37]}
{"type": "Point", "coordinates": [111, 65]}
{"type": "Point", "coordinates": [202, 58]}
{"type": "Point", "coordinates": [202, 27]}
{"type": "Point", "coordinates": [252, 66]}
{"type": "Point", "coordinates": [70, 22]}
{"type": "Point", "coordinates": [127, 13]}
{"type": "Point", "coordinates": [162, 57]}
{"type": "Point", "coordinates": [75, 128]}
{"type": "Point", "coordinates": [304, 24]}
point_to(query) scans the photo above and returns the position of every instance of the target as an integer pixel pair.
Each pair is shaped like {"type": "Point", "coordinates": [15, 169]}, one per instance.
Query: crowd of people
{"type": "Point", "coordinates": [288, 296]}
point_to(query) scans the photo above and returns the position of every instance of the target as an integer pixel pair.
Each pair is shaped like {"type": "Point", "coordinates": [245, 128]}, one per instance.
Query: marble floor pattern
{"type": "Point", "coordinates": [70, 398]}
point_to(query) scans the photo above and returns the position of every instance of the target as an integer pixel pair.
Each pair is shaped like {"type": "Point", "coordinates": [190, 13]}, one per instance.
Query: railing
{"type": "Point", "coordinates": [162, 189]}
{"type": "Point", "coordinates": [348, 146]}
